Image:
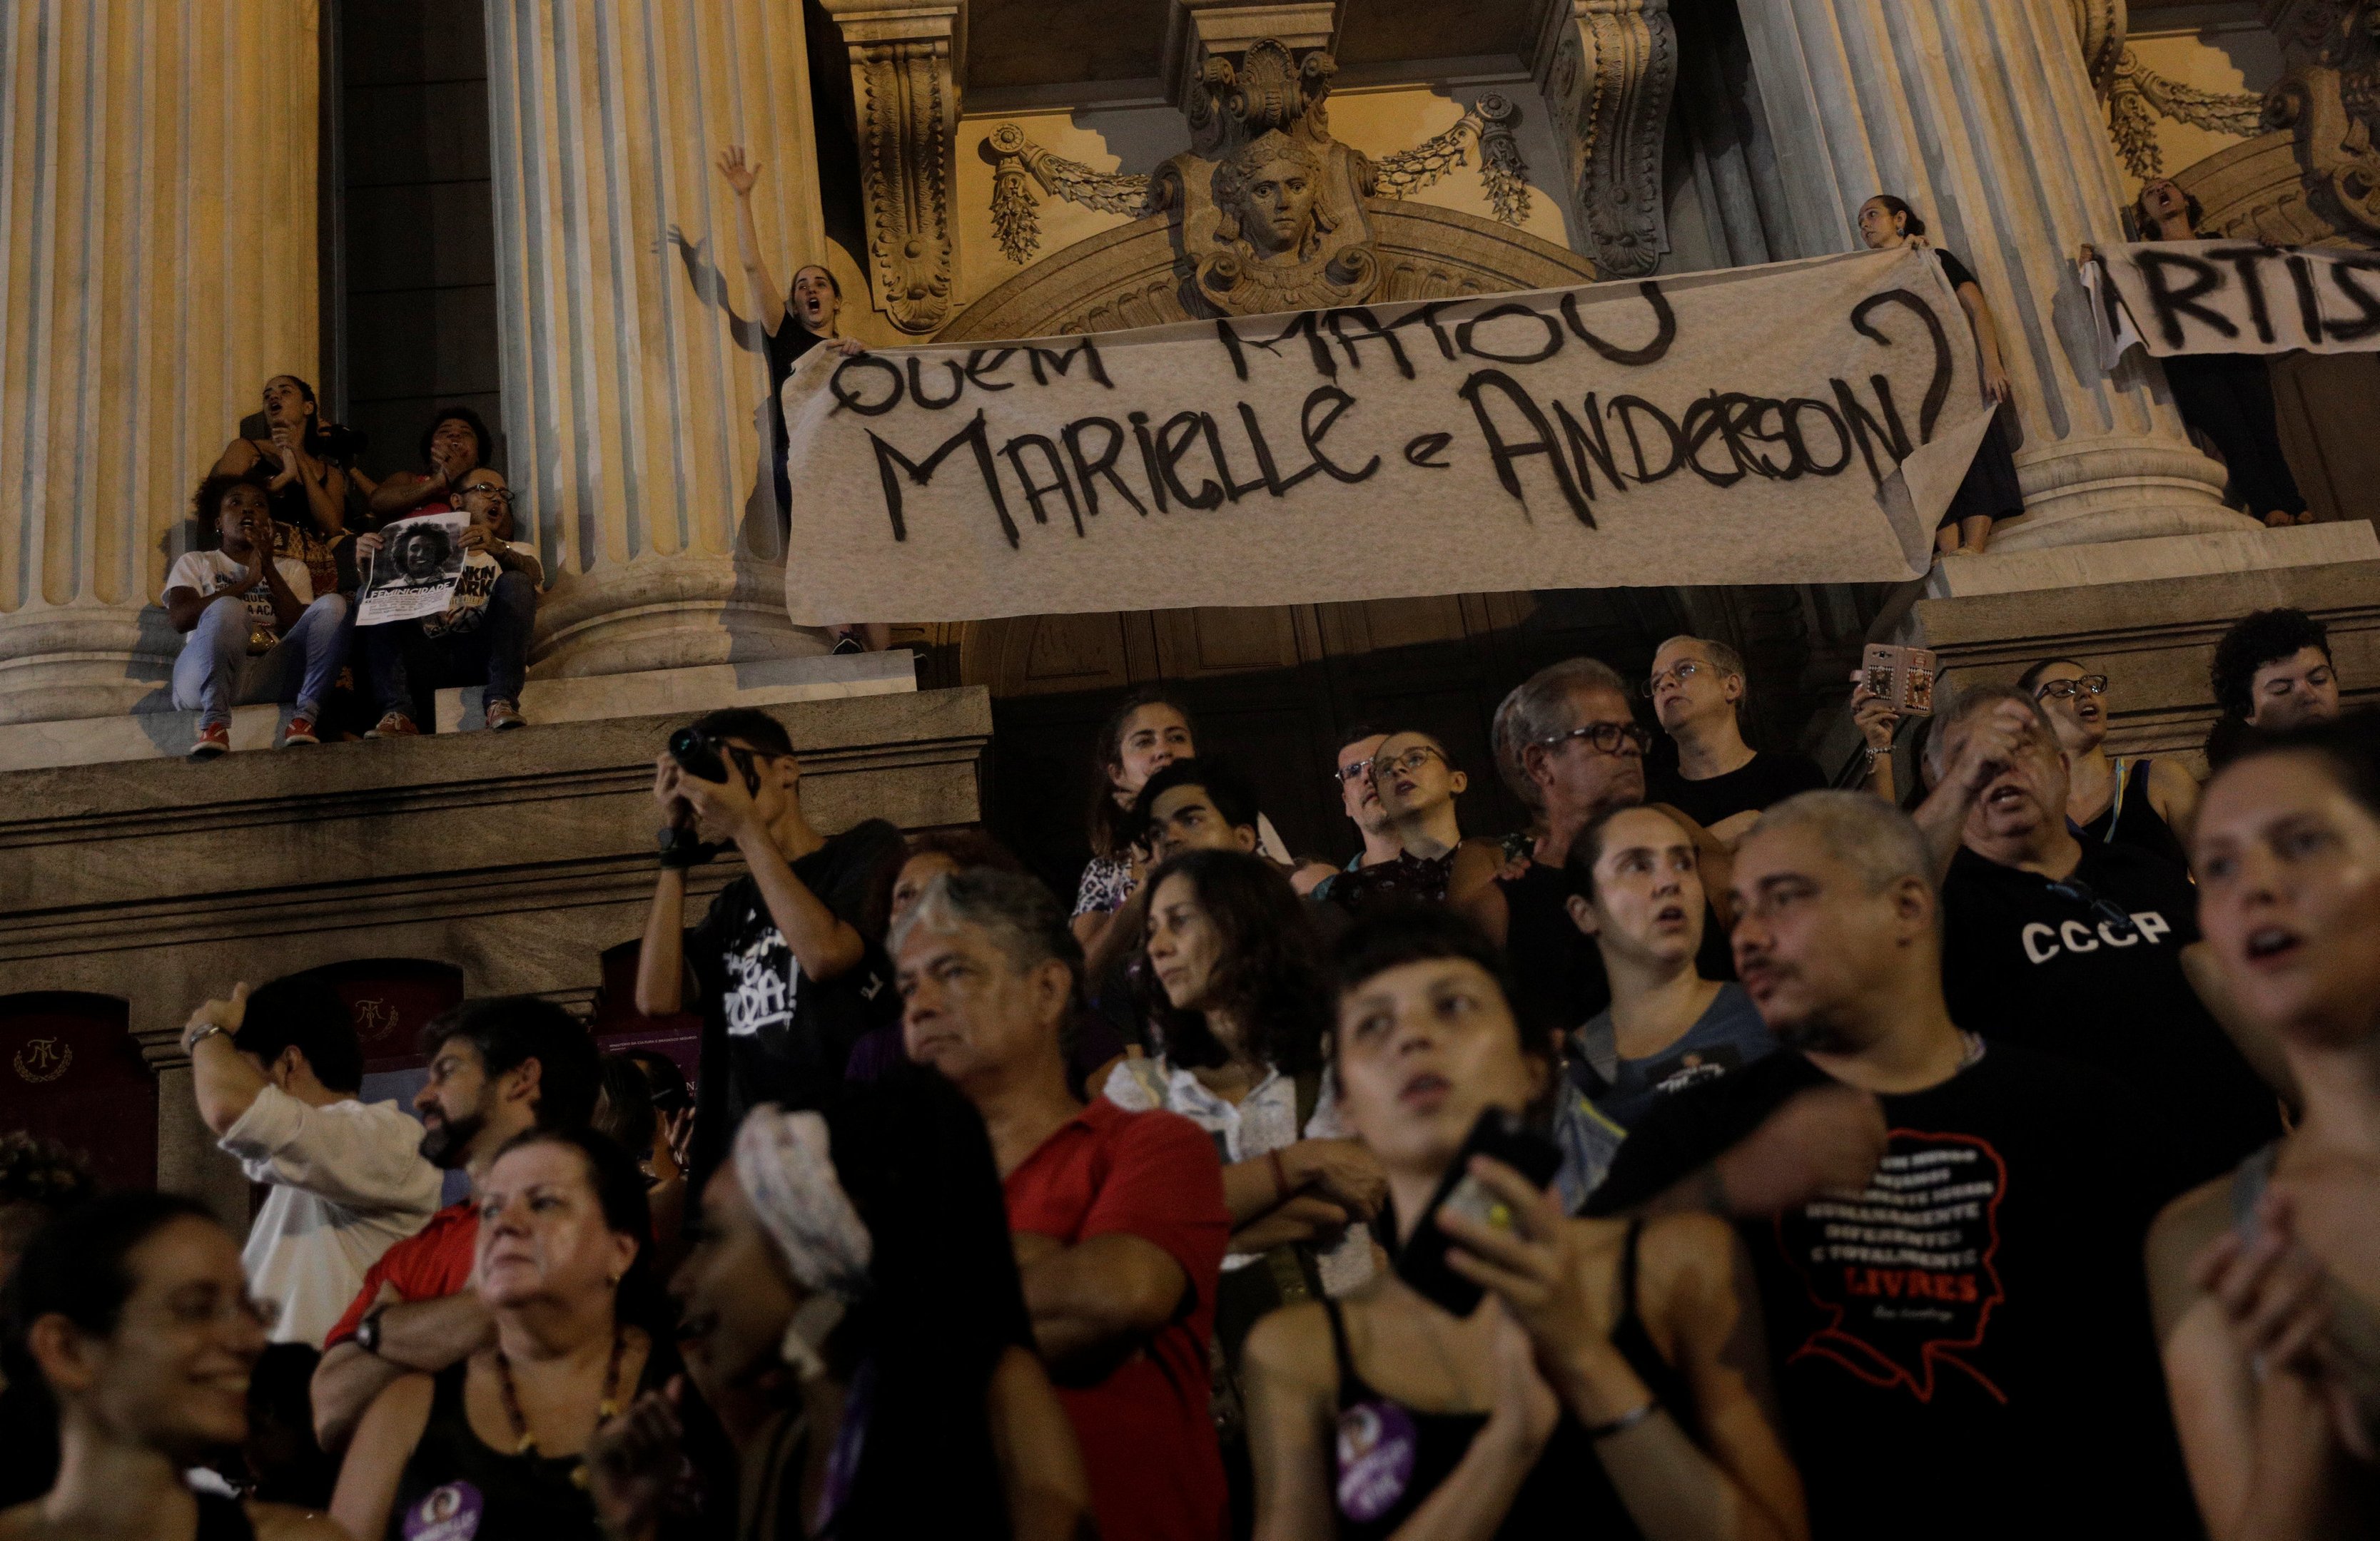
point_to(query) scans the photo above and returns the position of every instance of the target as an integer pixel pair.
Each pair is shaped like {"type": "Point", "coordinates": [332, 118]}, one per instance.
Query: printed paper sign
{"type": "Point", "coordinates": [414, 572]}
{"type": "Point", "coordinates": [2234, 297]}
{"type": "Point", "coordinates": [1797, 423]}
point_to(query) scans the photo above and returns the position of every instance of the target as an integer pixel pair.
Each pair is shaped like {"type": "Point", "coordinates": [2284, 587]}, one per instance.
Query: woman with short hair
{"type": "Point", "coordinates": [134, 1315]}
{"type": "Point", "coordinates": [504, 1433]}
{"type": "Point", "coordinates": [2114, 799]}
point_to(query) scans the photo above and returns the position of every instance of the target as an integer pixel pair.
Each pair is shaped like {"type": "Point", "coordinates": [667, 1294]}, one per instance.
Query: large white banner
{"type": "Point", "coordinates": [1799, 423]}
{"type": "Point", "coordinates": [2234, 297]}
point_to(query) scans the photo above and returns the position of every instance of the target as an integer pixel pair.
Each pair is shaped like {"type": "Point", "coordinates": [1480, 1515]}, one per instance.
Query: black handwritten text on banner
{"type": "Point", "coordinates": [1804, 422]}
{"type": "Point", "coordinates": [2237, 297]}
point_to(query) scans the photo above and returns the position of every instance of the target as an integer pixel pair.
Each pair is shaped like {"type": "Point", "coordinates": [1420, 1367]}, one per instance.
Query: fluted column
{"type": "Point", "coordinates": [1983, 116]}
{"type": "Point", "coordinates": [157, 263]}
{"type": "Point", "coordinates": [632, 399]}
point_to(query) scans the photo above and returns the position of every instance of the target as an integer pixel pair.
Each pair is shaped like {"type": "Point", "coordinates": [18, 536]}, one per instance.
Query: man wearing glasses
{"type": "Point", "coordinates": [1718, 780]}
{"type": "Point", "coordinates": [483, 637]}
{"type": "Point", "coordinates": [784, 980]}
{"type": "Point", "coordinates": [1568, 744]}
{"type": "Point", "coordinates": [2075, 947]}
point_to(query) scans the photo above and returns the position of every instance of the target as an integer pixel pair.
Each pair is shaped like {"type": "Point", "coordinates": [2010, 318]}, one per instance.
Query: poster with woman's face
{"type": "Point", "coordinates": [414, 572]}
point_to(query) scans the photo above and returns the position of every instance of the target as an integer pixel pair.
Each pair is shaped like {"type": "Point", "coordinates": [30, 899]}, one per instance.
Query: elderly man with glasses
{"type": "Point", "coordinates": [2076, 947]}
{"type": "Point", "coordinates": [483, 637]}
{"type": "Point", "coordinates": [1697, 690]}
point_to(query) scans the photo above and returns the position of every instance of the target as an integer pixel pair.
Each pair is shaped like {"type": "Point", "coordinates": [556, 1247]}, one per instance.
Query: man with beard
{"type": "Point", "coordinates": [497, 1068]}
{"type": "Point", "coordinates": [1958, 1344]}
{"type": "Point", "coordinates": [2075, 947]}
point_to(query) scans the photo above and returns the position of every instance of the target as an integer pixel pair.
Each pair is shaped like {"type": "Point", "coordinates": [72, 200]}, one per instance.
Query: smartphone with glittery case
{"type": "Point", "coordinates": [1500, 1134]}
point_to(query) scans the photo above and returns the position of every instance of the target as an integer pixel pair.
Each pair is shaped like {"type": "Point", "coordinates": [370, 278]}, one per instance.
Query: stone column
{"type": "Point", "coordinates": [633, 377]}
{"type": "Point", "coordinates": [1983, 118]}
{"type": "Point", "coordinates": [157, 264]}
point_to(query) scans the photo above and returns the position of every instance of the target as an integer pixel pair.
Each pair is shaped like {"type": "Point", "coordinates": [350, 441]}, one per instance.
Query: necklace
{"type": "Point", "coordinates": [524, 1440]}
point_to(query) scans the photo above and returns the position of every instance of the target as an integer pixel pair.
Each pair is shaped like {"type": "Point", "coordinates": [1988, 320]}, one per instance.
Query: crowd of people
{"type": "Point", "coordinates": [1723, 1156]}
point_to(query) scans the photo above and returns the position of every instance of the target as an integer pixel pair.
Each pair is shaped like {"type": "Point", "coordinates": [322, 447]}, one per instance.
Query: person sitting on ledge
{"type": "Point", "coordinates": [307, 492]}
{"type": "Point", "coordinates": [793, 325]}
{"type": "Point", "coordinates": [456, 444]}
{"type": "Point", "coordinates": [483, 637]}
{"type": "Point", "coordinates": [247, 616]}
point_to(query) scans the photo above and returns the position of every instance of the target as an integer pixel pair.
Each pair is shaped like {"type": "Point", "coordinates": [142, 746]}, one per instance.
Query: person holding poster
{"type": "Point", "coordinates": [246, 650]}
{"type": "Point", "coordinates": [482, 635]}
{"type": "Point", "coordinates": [2226, 396]}
{"type": "Point", "coordinates": [1990, 493]}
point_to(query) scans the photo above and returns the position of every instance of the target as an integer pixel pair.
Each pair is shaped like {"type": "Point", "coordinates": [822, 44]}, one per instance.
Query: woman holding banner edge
{"type": "Point", "coordinates": [1990, 491]}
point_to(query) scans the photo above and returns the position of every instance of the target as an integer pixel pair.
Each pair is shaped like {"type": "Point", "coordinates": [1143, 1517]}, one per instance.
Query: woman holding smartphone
{"type": "Point", "coordinates": [1610, 1382]}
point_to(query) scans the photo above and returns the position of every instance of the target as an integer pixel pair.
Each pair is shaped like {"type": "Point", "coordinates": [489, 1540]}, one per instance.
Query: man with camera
{"type": "Point", "coordinates": [785, 980]}
{"type": "Point", "coordinates": [482, 637]}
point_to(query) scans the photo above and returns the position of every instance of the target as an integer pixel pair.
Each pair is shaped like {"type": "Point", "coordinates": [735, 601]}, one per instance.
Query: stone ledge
{"type": "Point", "coordinates": [704, 688]}
{"type": "Point", "coordinates": [2155, 558]}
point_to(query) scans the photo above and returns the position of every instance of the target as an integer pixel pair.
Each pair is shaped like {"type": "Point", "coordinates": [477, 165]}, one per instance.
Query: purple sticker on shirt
{"type": "Point", "coordinates": [1376, 1459]}
{"type": "Point", "coordinates": [448, 1514]}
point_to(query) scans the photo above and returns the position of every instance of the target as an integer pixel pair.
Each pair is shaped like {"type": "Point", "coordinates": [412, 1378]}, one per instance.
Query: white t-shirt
{"type": "Point", "coordinates": [1265, 1120]}
{"type": "Point", "coordinates": [209, 571]}
{"type": "Point", "coordinates": [348, 1183]}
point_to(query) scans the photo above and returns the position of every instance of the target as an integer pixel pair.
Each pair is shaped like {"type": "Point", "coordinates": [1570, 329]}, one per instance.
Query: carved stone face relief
{"type": "Point", "coordinates": [1266, 195]}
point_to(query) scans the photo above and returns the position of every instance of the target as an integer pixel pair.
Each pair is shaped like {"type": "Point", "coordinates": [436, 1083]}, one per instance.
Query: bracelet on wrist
{"type": "Point", "coordinates": [1626, 1421]}
{"type": "Point", "coordinates": [197, 1035]}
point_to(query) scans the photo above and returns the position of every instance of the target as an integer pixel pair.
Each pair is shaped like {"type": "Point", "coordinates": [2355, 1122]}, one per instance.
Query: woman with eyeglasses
{"type": "Point", "coordinates": [133, 1314]}
{"type": "Point", "coordinates": [1418, 784]}
{"type": "Point", "coordinates": [2111, 799]}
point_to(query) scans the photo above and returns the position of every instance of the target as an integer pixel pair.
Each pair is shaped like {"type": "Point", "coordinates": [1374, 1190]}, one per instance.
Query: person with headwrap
{"type": "Point", "coordinates": [850, 1310]}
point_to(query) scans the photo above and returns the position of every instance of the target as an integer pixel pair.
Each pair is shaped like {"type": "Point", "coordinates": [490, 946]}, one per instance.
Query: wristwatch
{"type": "Point", "coordinates": [190, 1043]}
{"type": "Point", "coordinates": [367, 1330]}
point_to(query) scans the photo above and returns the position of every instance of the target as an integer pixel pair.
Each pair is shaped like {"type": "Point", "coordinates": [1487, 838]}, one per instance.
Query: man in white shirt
{"type": "Point", "coordinates": [276, 1078]}
{"type": "Point", "coordinates": [254, 628]}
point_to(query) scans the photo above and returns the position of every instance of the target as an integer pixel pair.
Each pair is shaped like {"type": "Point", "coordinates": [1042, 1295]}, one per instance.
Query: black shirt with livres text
{"type": "Point", "coordinates": [771, 1033]}
{"type": "Point", "coordinates": [2022, 963]}
{"type": "Point", "coordinates": [1962, 1349]}
{"type": "Point", "coordinates": [1759, 782]}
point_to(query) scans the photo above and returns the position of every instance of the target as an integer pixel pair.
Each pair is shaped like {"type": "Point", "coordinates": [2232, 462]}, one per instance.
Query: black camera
{"type": "Point", "coordinates": [697, 754]}
{"type": "Point", "coordinates": [341, 444]}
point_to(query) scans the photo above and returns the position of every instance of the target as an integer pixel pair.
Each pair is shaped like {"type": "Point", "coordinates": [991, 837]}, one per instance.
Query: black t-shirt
{"type": "Point", "coordinates": [1762, 781]}
{"type": "Point", "coordinates": [2023, 964]}
{"type": "Point", "coordinates": [1963, 1349]}
{"type": "Point", "coordinates": [769, 1033]}
{"type": "Point", "coordinates": [1955, 270]}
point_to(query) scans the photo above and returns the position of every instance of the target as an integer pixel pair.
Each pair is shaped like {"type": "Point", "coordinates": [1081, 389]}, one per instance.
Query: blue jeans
{"type": "Point", "coordinates": [494, 653]}
{"type": "Point", "coordinates": [215, 673]}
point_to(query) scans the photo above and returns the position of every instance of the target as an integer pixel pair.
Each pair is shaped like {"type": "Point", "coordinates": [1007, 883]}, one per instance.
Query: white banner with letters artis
{"type": "Point", "coordinates": [1799, 423]}
{"type": "Point", "coordinates": [2234, 297]}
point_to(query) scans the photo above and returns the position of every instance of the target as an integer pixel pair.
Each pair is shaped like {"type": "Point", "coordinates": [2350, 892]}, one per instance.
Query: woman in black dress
{"type": "Point", "coordinates": [501, 1436]}
{"type": "Point", "coordinates": [131, 1313]}
{"type": "Point", "coordinates": [1990, 493]}
{"type": "Point", "coordinates": [1381, 1415]}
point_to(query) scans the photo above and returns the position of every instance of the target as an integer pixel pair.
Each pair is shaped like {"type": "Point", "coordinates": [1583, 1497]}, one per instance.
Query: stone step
{"type": "Point", "coordinates": [764, 682]}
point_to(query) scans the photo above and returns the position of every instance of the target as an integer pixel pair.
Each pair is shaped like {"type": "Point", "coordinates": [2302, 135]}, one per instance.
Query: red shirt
{"type": "Point", "coordinates": [432, 1263]}
{"type": "Point", "coordinates": [1147, 1438]}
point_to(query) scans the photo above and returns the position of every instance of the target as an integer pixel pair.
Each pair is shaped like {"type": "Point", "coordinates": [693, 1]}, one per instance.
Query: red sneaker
{"type": "Point", "coordinates": [301, 731]}
{"type": "Point", "coordinates": [395, 724]}
{"type": "Point", "coordinates": [213, 739]}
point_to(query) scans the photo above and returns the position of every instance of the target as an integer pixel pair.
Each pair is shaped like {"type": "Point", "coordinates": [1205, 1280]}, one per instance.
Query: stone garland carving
{"type": "Point", "coordinates": [1609, 87]}
{"type": "Point", "coordinates": [1017, 161]}
{"type": "Point", "coordinates": [1487, 123]}
{"type": "Point", "coordinates": [906, 105]}
{"type": "Point", "coordinates": [2100, 26]}
{"type": "Point", "coordinates": [2332, 105]}
{"type": "Point", "coordinates": [2138, 96]}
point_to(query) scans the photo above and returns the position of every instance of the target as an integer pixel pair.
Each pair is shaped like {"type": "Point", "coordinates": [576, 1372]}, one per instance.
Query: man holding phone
{"type": "Point", "coordinates": [785, 981]}
{"type": "Point", "coordinates": [1965, 1334]}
